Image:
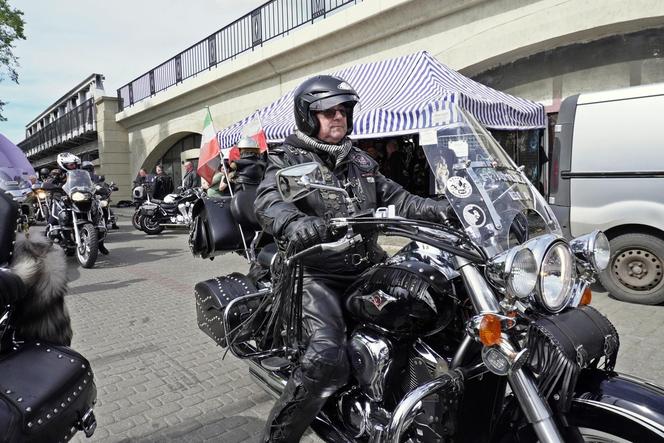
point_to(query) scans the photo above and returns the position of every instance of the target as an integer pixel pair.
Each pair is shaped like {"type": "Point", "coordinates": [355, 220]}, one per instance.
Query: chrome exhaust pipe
{"type": "Point", "coordinates": [268, 380]}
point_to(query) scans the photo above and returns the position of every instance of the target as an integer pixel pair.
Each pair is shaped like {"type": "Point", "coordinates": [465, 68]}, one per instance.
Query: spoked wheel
{"type": "Point", "coordinates": [88, 250]}
{"type": "Point", "coordinates": [151, 226]}
{"type": "Point", "coordinates": [136, 220]}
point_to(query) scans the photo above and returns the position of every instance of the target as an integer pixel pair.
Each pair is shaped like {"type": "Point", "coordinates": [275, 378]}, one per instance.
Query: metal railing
{"type": "Point", "coordinates": [80, 120]}
{"type": "Point", "coordinates": [273, 19]}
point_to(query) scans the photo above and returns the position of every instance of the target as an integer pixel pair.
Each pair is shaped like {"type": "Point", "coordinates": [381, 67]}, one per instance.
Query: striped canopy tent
{"type": "Point", "coordinates": [400, 96]}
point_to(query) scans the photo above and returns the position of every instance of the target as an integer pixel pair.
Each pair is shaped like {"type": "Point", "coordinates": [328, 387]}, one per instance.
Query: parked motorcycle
{"type": "Point", "coordinates": [140, 194]}
{"type": "Point", "coordinates": [77, 221]}
{"type": "Point", "coordinates": [47, 389]}
{"type": "Point", "coordinates": [478, 330]}
{"type": "Point", "coordinates": [174, 211]}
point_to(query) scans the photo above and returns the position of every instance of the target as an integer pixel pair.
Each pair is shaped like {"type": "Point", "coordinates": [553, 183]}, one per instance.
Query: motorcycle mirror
{"type": "Point", "coordinates": [102, 178]}
{"type": "Point", "coordinates": [295, 182]}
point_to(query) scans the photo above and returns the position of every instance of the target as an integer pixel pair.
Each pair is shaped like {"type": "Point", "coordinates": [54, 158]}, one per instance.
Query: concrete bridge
{"type": "Point", "coordinates": [541, 50]}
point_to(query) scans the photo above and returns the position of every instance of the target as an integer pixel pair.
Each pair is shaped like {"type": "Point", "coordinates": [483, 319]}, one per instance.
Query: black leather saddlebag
{"type": "Point", "coordinates": [215, 231]}
{"type": "Point", "coordinates": [212, 297]}
{"type": "Point", "coordinates": [562, 345]}
{"type": "Point", "coordinates": [46, 394]}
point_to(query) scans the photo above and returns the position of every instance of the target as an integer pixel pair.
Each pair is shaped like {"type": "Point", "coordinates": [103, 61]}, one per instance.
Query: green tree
{"type": "Point", "coordinates": [11, 29]}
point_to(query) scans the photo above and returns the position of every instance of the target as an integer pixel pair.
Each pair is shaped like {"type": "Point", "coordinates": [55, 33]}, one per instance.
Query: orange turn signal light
{"type": "Point", "coordinates": [587, 297]}
{"type": "Point", "coordinates": [490, 330]}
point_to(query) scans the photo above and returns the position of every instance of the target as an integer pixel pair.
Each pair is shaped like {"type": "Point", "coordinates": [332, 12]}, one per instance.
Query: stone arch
{"type": "Point", "coordinates": [184, 141]}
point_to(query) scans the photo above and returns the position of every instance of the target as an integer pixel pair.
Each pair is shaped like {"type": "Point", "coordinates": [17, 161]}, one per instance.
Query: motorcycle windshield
{"type": "Point", "coordinates": [78, 180]}
{"type": "Point", "coordinates": [495, 202]}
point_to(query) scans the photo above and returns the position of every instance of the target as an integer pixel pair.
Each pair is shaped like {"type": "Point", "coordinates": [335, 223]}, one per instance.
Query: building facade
{"type": "Point", "coordinates": [542, 50]}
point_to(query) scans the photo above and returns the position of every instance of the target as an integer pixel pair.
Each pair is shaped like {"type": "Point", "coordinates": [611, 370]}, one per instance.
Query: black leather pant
{"type": "Point", "coordinates": [324, 367]}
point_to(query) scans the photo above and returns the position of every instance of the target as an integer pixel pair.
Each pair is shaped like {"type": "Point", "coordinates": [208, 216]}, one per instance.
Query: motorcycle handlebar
{"type": "Point", "coordinates": [336, 246]}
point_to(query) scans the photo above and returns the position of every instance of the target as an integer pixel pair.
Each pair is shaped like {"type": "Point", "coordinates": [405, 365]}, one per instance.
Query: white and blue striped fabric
{"type": "Point", "coordinates": [400, 96]}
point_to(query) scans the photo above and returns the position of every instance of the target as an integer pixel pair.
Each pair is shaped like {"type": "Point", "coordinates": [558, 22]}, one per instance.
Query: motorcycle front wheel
{"type": "Point", "coordinates": [136, 220]}
{"type": "Point", "coordinates": [87, 251]}
{"type": "Point", "coordinates": [151, 226]}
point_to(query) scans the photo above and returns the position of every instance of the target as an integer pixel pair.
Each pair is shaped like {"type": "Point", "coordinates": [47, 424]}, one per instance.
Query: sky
{"type": "Point", "coordinates": [67, 40]}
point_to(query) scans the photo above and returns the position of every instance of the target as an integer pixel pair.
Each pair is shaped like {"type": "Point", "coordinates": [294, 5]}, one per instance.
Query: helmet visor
{"type": "Point", "coordinates": [351, 100]}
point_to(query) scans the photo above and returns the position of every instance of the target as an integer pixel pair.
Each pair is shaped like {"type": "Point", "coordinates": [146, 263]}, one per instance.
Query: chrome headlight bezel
{"type": "Point", "coordinates": [511, 269]}
{"type": "Point", "coordinates": [541, 247]}
{"type": "Point", "coordinates": [585, 248]}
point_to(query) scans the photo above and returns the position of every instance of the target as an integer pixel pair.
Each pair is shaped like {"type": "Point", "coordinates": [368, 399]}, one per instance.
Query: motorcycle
{"type": "Point", "coordinates": [77, 221]}
{"type": "Point", "coordinates": [479, 330]}
{"type": "Point", "coordinates": [174, 211]}
{"type": "Point", "coordinates": [21, 193]}
{"type": "Point", "coordinates": [40, 200]}
{"type": "Point", "coordinates": [48, 389]}
{"type": "Point", "coordinates": [103, 193]}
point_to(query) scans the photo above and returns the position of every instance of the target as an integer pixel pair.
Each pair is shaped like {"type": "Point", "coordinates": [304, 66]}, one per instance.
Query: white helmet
{"type": "Point", "coordinates": [247, 143]}
{"type": "Point", "coordinates": [68, 161]}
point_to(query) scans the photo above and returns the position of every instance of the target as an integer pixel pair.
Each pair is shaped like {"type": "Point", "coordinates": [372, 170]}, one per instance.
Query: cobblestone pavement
{"type": "Point", "coordinates": [159, 378]}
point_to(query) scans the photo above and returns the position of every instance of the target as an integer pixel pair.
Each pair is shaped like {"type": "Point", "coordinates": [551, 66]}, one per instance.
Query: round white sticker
{"type": "Point", "coordinates": [474, 216]}
{"type": "Point", "coordinates": [459, 187]}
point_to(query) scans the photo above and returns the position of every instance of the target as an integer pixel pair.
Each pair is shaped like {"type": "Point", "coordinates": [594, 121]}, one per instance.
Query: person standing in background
{"type": "Point", "coordinates": [163, 184]}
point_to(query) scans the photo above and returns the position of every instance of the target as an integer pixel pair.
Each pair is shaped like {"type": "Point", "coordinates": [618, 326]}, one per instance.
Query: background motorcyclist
{"type": "Point", "coordinates": [43, 174]}
{"type": "Point", "coordinates": [324, 117]}
{"type": "Point", "coordinates": [163, 184]}
{"type": "Point", "coordinates": [249, 168]}
{"type": "Point", "coordinates": [90, 168]}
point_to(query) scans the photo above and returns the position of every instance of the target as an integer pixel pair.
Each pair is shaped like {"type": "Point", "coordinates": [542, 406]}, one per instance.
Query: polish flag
{"type": "Point", "coordinates": [208, 158]}
{"type": "Point", "coordinates": [254, 129]}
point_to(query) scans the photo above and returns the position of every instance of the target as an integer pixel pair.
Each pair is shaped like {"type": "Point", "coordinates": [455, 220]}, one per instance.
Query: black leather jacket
{"type": "Point", "coordinates": [359, 172]}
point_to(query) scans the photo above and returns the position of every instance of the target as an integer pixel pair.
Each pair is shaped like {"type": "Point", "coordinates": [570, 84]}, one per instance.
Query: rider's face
{"type": "Point", "coordinates": [333, 124]}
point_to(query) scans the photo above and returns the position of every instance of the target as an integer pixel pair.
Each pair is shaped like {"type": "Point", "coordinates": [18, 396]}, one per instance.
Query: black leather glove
{"type": "Point", "coordinates": [443, 210]}
{"type": "Point", "coordinates": [306, 231]}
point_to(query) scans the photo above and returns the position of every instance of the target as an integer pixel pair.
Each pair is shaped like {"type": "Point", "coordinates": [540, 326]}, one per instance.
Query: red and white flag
{"type": "Point", "coordinates": [208, 158]}
{"type": "Point", "coordinates": [254, 129]}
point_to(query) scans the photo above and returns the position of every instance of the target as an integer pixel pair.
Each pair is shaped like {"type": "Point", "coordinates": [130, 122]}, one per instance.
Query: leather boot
{"type": "Point", "coordinates": [292, 413]}
{"type": "Point", "coordinates": [103, 249]}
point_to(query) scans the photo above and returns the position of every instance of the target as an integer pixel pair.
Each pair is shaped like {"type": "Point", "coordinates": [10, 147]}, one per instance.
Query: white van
{"type": "Point", "coordinates": [607, 172]}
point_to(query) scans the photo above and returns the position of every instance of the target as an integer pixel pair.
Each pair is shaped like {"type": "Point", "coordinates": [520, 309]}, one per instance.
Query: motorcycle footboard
{"type": "Point", "coordinates": [213, 296]}
{"type": "Point", "coordinates": [47, 393]}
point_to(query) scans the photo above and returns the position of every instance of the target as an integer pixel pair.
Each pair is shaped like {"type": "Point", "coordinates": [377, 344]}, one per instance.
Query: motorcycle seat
{"type": "Point", "coordinates": [267, 254]}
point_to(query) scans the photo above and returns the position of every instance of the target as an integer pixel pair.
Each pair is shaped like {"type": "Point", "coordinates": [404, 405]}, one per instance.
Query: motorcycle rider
{"type": "Point", "coordinates": [99, 180]}
{"type": "Point", "coordinates": [324, 117]}
{"type": "Point", "coordinates": [249, 167]}
{"type": "Point", "coordinates": [69, 162]}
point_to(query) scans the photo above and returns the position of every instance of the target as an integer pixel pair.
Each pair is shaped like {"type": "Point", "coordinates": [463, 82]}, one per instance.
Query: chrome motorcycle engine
{"type": "Point", "coordinates": [371, 359]}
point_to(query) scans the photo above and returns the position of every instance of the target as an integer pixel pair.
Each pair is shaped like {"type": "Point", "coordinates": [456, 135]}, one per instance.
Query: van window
{"type": "Point", "coordinates": [620, 135]}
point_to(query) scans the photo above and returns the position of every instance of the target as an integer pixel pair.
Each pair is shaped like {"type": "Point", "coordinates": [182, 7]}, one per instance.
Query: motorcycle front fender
{"type": "Point", "coordinates": [620, 404]}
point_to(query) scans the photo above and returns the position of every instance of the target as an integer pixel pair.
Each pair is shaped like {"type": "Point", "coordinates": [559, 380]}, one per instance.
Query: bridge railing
{"type": "Point", "coordinates": [75, 123]}
{"type": "Point", "coordinates": [271, 20]}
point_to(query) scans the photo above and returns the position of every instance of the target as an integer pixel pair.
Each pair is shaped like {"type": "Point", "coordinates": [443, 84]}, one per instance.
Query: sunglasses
{"type": "Point", "coordinates": [331, 113]}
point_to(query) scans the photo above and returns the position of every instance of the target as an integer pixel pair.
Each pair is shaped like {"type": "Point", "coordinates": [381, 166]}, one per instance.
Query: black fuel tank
{"type": "Point", "coordinates": [407, 298]}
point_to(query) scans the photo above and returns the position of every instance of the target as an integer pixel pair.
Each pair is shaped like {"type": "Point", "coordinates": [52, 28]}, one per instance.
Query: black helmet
{"type": "Point", "coordinates": [44, 172]}
{"type": "Point", "coordinates": [321, 93]}
{"type": "Point", "coordinates": [88, 166]}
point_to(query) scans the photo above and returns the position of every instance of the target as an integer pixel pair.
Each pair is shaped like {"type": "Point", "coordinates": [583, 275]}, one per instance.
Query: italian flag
{"type": "Point", "coordinates": [208, 158]}
{"type": "Point", "coordinates": [254, 129]}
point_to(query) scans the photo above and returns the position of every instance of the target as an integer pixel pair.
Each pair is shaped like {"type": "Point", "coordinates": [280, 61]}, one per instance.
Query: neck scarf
{"type": "Point", "coordinates": [338, 152]}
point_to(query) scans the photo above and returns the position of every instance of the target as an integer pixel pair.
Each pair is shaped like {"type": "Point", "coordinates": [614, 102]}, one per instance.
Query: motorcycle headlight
{"type": "Point", "coordinates": [556, 277]}
{"type": "Point", "coordinates": [79, 196]}
{"type": "Point", "coordinates": [592, 248]}
{"type": "Point", "coordinates": [103, 203]}
{"type": "Point", "coordinates": [516, 270]}
{"type": "Point", "coordinates": [41, 195]}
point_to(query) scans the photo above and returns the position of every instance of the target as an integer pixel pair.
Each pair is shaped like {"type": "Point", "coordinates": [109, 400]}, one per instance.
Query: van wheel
{"type": "Point", "coordinates": [635, 270]}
